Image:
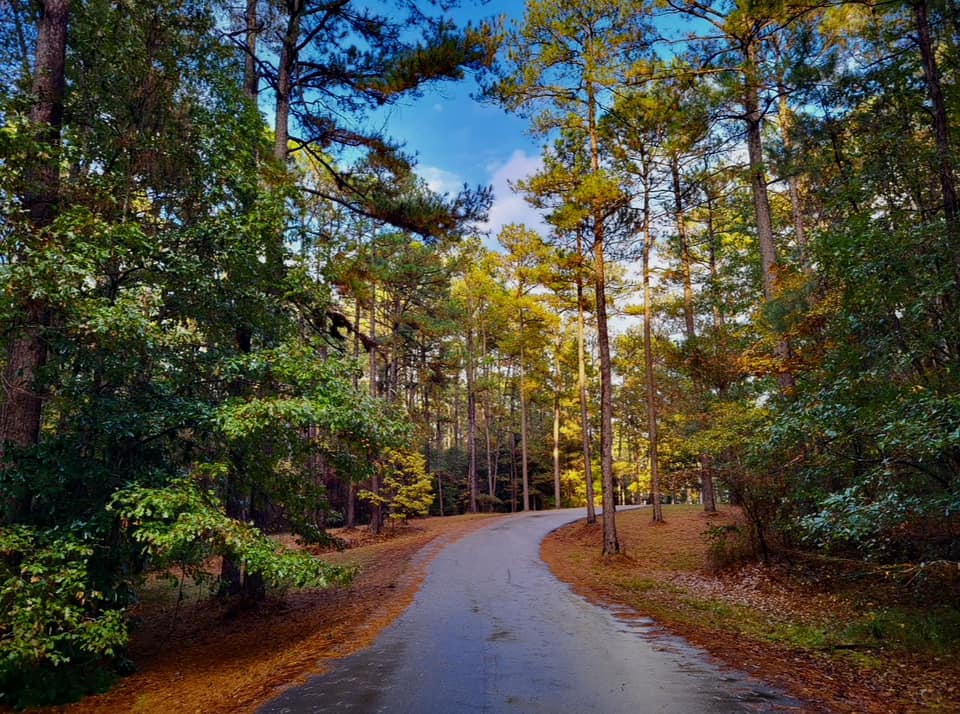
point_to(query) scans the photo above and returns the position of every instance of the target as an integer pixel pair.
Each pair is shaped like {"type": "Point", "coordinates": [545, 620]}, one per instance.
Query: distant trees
{"type": "Point", "coordinates": [562, 60]}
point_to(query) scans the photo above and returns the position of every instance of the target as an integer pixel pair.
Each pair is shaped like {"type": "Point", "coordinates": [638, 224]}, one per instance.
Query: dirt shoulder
{"type": "Point", "coordinates": [203, 657]}
{"type": "Point", "coordinates": [841, 643]}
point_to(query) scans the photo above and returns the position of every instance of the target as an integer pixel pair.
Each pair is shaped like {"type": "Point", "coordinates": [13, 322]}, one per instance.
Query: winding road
{"type": "Point", "coordinates": [491, 630]}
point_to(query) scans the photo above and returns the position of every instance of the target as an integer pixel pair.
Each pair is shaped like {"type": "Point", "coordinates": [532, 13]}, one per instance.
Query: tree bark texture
{"type": "Point", "coordinates": [793, 184]}
{"type": "Point", "coordinates": [251, 79]}
{"type": "Point", "coordinates": [582, 388]}
{"type": "Point", "coordinates": [652, 436]}
{"type": "Point", "coordinates": [471, 421]}
{"type": "Point", "coordinates": [688, 317]}
{"type": "Point", "coordinates": [706, 482]}
{"type": "Point", "coordinates": [610, 543]}
{"type": "Point", "coordinates": [525, 478]}
{"type": "Point", "coordinates": [376, 515]}
{"type": "Point", "coordinates": [753, 119]}
{"type": "Point", "coordinates": [22, 406]}
{"type": "Point", "coordinates": [556, 428]}
{"type": "Point", "coordinates": [285, 77]}
{"type": "Point", "coordinates": [941, 126]}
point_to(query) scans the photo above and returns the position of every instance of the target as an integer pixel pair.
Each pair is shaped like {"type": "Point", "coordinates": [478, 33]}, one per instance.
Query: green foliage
{"type": "Point", "coordinates": [56, 628]}
{"type": "Point", "coordinates": [183, 524]}
{"type": "Point", "coordinates": [180, 337]}
{"type": "Point", "coordinates": [847, 519]}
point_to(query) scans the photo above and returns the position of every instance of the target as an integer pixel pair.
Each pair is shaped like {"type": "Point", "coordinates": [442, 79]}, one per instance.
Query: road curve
{"type": "Point", "coordinates": [491, 630]}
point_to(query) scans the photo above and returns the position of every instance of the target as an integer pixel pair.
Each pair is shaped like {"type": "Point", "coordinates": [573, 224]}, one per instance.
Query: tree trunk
{"type": "Point", "coordinates": [251, 79]}
{"type": "Point", "coordinates": [753, 118]}
{"type": "Point", "coordinates": [376, 516]}
{"type": "Point", "coordinates": [392, 389]}
{"type": "Point", "coordinates": [582, 387]}
{"type": "Point", "coordinates": [708, 493]}
{"type": "Point", "coordinates": [719, 314]}
{"type": "Point", "coordinates": [22, 407]}
{"type": "Point", "coordinates": [556, 428]}
{"type": "Point", "coordinates": [525, 478]}
{"type": "Point", "coordinates": [513, 442]}
{"type": "Point", "coordinates": [471, 422]}
{"type": "Point", "coordinates": [648, 360]}
{"type": "Point", "coordinates": [440, 491]}
{"type": "Point", "coordinates": [610, 543]}
{"type": "Point", "coordinates": [706, 485]}
{"type": "Point", "coordinates": [286, 68]}
{"type": "Point", "coordinates": [688, 316]}
{"type": "Point", "coordinates": [793, 184]}
{"type": "Point", "coordinates": [350, 519]}
{"type": "Point", "coordinates": [491, 473]}
{"type": "Point", "coordinates": [941, 128]}
{"type": "Point", "coordinates": [20, 414]}
{"type": "Point", "coordinates": [42, 191]}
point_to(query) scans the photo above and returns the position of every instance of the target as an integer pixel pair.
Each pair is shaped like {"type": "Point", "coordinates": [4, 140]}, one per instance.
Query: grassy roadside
{"type": "Point", "coordinates": [844, 641]}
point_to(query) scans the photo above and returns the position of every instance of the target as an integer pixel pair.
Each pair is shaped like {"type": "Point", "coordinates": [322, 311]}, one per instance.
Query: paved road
{"type": "Point", "coordinates": [491, 630]}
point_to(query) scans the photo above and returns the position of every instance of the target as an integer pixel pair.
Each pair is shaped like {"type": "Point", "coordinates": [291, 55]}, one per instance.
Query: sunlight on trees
{"type": "Point", "coordinates": [218, 327]}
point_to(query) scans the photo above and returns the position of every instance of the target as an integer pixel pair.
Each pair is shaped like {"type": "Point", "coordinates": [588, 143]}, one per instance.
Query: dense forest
{"type": "Point", "coordinates": [231, 308]}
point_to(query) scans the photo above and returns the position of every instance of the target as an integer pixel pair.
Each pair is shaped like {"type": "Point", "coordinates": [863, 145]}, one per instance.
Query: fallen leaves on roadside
{"type": "Point", "coordinates": [209, 658]}
{"type": "Point", "coordinates": [740, 616]}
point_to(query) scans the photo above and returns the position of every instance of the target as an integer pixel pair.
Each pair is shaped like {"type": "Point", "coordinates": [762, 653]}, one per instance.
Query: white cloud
{"type": "Point", "coordinates": [509, 207]}
{"type": "Point", "coordinates": [440, 180]}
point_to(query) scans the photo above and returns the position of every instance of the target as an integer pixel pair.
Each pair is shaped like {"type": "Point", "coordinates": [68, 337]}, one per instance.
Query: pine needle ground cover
{"type": "Point", "coordinates": [844, 639]}
{"type": "Point", "coordinates": [200, 656]}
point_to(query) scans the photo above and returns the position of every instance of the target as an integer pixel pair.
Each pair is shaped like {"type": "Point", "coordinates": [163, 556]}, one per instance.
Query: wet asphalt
{"type": "Point", "coordinates": [491, 630]}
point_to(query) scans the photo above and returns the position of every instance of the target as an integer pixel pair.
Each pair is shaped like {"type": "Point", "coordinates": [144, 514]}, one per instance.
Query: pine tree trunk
{"type": "Point", "coordinates": [941, 128]}
{"type": "Point", "coordinates": [513, 442]}
{"type": "Point", "coordinates": [523, 425]}
{"type": "Point", "coordinates": [491, 473]}
{"type": "Point", "coordinates": [251, 79]}
{"type": "Point", "coordinates": [611, 544]}
{"type": "Point", "coordinates": [440, 491]}
{"type": "Point", "coordinates": [753, 118]}
{"type": "Point", "coordinates": [706, 484]}
{"type": "Point", "coordinates": [648, 361]}
{"type": "Point", "coordinates": [376, 516]}
{"type": "Point", "coordinates": [556, 429]}
{"type": "Point", "coordinates": [350, 518]}
{"type": "Point", "coordinates": [793, 185]}
{"type": "Point", "coordinates": [582, 388]}
{"type": "Point", "coordinates": [286, 67]}
{"type": "Point", "coordinates": [471, 422]}
{"type": "Point", "coordinates": [688, 315]}
{"type": "Point", "coordinates": [22, 408]}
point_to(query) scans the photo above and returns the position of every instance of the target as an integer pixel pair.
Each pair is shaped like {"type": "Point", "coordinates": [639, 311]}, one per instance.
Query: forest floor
{"type": "Point", "coordinates": [844, 639]}
{"type": "Point", "coordinates": [204, 657]}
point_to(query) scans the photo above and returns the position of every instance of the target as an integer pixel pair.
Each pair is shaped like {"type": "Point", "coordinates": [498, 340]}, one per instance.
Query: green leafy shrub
{"type": "Point", "coordinates": [58, 633]}
{"type": "Point", "coordinates": [183, 524]}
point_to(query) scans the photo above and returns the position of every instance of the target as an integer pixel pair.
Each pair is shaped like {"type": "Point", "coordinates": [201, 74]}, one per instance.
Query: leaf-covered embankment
{"type": "Point", "coordinates": [204, 657]}
{"type": "Point", "coordinates": [844, 641]}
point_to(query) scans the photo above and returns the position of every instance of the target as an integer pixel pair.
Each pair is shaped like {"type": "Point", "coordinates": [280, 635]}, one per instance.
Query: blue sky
{"type": "Point", "coordinates": [458, 139]}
